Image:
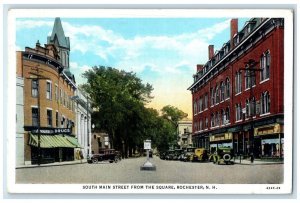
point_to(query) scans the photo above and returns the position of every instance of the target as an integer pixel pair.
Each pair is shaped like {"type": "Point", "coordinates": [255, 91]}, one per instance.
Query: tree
{"type": "Point", "coordinates": [119, 98]}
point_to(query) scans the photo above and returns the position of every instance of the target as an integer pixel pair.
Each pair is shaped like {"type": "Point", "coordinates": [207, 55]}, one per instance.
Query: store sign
{"type": "Point", "coordinates": [52, 131]}
{"type": "Point", "coordinates": [267, 130]}
{"type": "Point", "coordinates": [226, 136]}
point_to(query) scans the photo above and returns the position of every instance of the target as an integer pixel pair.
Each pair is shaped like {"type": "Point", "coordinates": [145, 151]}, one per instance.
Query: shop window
{"type": "Point", "coordinates": [34, 88]}
{"type": "Point", "coordinates": [35, 116]}
{"type": "Point", "coordinates": [49, 118]}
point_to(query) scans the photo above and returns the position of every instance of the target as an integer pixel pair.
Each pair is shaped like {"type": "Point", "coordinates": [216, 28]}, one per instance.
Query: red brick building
{"type": "Point", "coordinates": [238, 93]}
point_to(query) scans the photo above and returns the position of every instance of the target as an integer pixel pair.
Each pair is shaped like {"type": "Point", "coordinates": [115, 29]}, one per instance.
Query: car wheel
{"type": "Point", "coordinates": [226, 157]}
{"type": "Point", "coordinates": [95, 161]}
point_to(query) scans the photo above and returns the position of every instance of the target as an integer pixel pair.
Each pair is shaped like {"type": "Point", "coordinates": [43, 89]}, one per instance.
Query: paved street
{"type": "Point", "coordinates": [128, 171]}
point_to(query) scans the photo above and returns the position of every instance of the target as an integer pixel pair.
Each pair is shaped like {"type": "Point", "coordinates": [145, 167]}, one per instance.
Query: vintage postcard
{"type": "Point", "coordinates": [150, 101]}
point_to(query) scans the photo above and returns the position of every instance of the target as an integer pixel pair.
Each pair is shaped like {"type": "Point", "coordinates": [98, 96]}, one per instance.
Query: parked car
{"type": "Point", "coordinates": [177, 154]}
{"type": "Point", "coordinates": [223, 155]}
{"type": "Point", "coordinates": [201, 154]}
{"type": "Point", "coordinates": [189, 154]}
{"type": "Point", "coordinates": [110, 155]}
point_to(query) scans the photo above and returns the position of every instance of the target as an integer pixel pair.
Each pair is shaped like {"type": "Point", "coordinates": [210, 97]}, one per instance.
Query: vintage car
{"type": "Point", "coordinates": [201, 154]}
{"type": "Point", "coordinates": [223, 156]}
{"type": "Point", "coordinates": [189, 154]}
{"type": "Point", "coordinates": [109, 155]}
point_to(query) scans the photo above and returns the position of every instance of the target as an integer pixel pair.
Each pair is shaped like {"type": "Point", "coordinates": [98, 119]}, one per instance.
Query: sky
{"type": "Point", "coordinates": [163, 52]}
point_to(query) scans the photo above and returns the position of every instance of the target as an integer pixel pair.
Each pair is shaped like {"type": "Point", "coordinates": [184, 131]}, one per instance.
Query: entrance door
{"type": "Point", "coordinates": [257, 148]}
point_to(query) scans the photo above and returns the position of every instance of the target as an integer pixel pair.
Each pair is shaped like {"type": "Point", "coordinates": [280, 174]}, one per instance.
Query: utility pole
{"type": "Point", "coordinates": [252, 75]}
{"type": "Point", "coordinates": [38, 77]}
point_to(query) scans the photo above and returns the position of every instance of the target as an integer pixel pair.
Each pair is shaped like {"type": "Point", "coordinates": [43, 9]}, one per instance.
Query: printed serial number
{"type": "Point", "coordinates": [273, 188]}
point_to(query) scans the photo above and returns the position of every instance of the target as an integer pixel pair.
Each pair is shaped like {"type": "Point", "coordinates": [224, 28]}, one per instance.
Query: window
{"type": "Point", "coordinates": [223, 117]}
{"type": "Point", "coordinates": [206, 122]}
{"type": "Point", "coordinates": [238, 82]}
{"type": "Point", "coordinates": [265, 102]}
{"type": "Point", "coordinates": [200, 104]}
{"type": "Point", "coordinates": [249, 78]}
{"type": "Point", "coordinates": [56, 119]}
{"type": "Point", "coordinates": [206, 101]}
{"type": "Point", "coordinates": [248, 110]}
{"type": "Point", "coordinates": [61, 96]}
{"type": "Point", "coordinates": [56, 93]}
{"type": "Point", "coordinates": [49, 118]}
{"type": "Point", "coordinates": [212, 120]}
{"type": "Point", "coordinates": [253, 107]}
{"type": "Point", "coordinates": [217, 118]}
{"type": "Point", "coordinates": [222, 91]}
{"type": "Point", "coordinates": [265, 66]}
{"type": "Point", "coordinates": [35, 116]}
{"type": "Point", "coordinates": [34, 88]}
{"type": "Point", "coordinates": [49, 90]}
{"type": "Point", "coordinates": [227, 88]}
{"type": "Point", "coordinates": [195, 107]}
{"type": "Point", "coordinates": [217, 95]}
{"type": "Point", "coordinates": [227, 115]}
{"type": "Point", "coordinates": [212, 97]}
{"type": "Point", "coordinates": [201, 125]}
{"type": "Point", "coordinates": [238, 112]}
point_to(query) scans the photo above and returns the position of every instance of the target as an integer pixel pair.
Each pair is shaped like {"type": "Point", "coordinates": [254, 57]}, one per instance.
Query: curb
{"type": "Point", "coordinates": [49, 165]}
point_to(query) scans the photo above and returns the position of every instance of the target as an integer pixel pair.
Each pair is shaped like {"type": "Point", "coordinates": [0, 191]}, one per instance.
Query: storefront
{"type": "Point", "coordinates": [217, 141]}
{"type": "Point", "coordinates": [201, 141]}
{"type": "Point", "coordinates": [53, 147]}
{"type": "Point", "coordinates": [270, 140]}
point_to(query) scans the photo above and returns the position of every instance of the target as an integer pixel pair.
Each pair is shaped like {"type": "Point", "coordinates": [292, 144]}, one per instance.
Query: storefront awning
{"type": "Point", "coordinates": [53, 141]}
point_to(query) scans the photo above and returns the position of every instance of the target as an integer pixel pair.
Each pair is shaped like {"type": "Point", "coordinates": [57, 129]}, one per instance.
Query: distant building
{"type": "Point", "coordinates": [184, 130]}
{"type": "Point", "coordinates": [238, 94]}
{"type": "Point", "coordinates": [99, 141]}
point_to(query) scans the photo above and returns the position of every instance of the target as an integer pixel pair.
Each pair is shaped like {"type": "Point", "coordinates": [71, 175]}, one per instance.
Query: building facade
{"type": "Point", "coordinates": [48, 110]}
{"type": "Point", "coordinates": [83, 121]}
{"type": "Point", "coordinates": [100, 141]}
{"type": "Point", "coordinates": [238, 94]}
{"type": "Point", "coordinates": [184, 131]}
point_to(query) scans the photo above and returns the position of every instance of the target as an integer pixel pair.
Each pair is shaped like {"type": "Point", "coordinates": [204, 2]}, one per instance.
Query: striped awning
{"type": "Point", "coordinates": [53, 141]}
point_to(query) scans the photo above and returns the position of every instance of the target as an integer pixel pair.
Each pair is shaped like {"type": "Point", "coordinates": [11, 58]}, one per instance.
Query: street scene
{"type": "Point", "coordinates": [128, 171]}
{"type": "Point", "coordinates": [140, 100]}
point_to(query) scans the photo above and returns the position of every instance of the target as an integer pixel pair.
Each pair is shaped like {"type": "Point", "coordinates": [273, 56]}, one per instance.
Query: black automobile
{"type": "Point", "coordinates": [109, 155]}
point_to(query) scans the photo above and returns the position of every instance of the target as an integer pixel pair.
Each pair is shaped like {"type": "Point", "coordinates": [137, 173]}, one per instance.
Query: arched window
{"type": "Point", "coordinates": [265, 102]}
{"type": "Point", "coordinates": [265, 65]}
{"type": "Point", "coordinates": [222, 91]}
{"type": "Point", "coordinates": [227, 88]}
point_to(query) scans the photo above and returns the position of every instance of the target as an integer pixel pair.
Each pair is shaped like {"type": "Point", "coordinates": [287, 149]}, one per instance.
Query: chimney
{"type": "Point", "coordinates": [210, 51]}
{"type": "Point", "coordinates": [233, 30]}
{"type": "Point", "coordinates": [199, 67]}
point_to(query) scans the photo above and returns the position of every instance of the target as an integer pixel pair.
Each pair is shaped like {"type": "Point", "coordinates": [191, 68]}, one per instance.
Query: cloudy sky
{"type": "Point", "coordinates": [161, 51]}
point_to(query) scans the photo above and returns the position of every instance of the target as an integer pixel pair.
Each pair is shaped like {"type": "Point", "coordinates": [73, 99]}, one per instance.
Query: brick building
{"type": "Point", "coordinates": [238, 94]}
{"type": "Point", "coordinates": [49, 111]}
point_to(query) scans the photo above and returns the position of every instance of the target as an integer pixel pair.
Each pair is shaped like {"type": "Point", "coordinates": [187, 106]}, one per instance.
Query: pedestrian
{"type": "Point", "coordinates": [252, 157]}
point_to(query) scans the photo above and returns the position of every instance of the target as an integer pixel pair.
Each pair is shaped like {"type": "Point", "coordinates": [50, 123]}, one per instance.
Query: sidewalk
{"type": "Point", "coordinates": [259, 161]}
{"type": "Point", "coordinates": [83, 161]}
